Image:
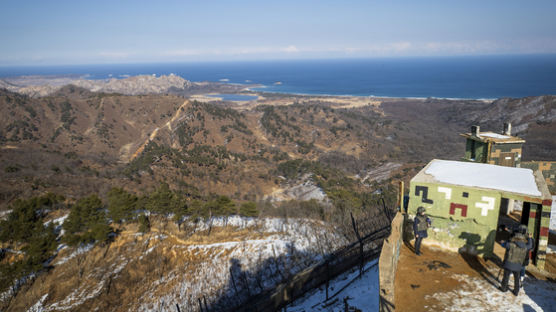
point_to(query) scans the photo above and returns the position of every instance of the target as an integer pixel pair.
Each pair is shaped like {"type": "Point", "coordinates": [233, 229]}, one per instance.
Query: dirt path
{"type": "Point", "coordinates": [447, 281]}
{"type": "Point", "coordinates": [258, 131]}
{"type": "Point", "coordinates": [168, 125]}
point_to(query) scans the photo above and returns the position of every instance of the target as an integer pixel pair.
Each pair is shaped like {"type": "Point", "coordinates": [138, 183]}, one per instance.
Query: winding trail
{"type": "Point", "coordinates": [168, 125]}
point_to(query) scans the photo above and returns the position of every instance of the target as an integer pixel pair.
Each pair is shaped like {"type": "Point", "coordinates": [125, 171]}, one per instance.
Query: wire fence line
{"type": "Point", "coordinates": [354, 254]}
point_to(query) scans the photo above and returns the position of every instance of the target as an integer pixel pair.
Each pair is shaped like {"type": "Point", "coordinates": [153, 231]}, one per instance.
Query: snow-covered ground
{"type": "Point", "coordinates": [304, 189]}
{"type": "Point", "coordinates": [361, 293]}
{"type": "Point", "coordinates": [58, 222]}
{"type": "Point", "coordinates": [289, 247]}
{"type": "Point", "coordinates": [476, 294]}
{"type": "Point", "coordinates": [381, 173]}
{"type": "Point", "coordinates": [270, 251]}
{"type": "Point", "coordinates": [80, 250]}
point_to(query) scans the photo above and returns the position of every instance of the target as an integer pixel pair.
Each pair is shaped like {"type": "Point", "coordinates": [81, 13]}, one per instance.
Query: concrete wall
{"type": "Point", "coordinates": [552, 225]}
{"type": "Point", "coordinates": [542, 230]}
{"type": "Point", "coordinates": [461, 216]}
{"type": "Point", "coordinates": [388, 263]}
{"type": "Point", "coordinates": [548, 170]}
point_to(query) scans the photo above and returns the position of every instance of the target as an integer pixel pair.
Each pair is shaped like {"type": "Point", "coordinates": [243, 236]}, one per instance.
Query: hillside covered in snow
{"type": "Point", "coordinates": [240, 257]}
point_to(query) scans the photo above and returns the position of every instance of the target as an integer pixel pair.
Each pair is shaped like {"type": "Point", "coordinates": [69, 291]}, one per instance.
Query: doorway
{"type": "Point", "coordinates": [507, 222]}
{"type": "Point", "coordinates": [507, 159]}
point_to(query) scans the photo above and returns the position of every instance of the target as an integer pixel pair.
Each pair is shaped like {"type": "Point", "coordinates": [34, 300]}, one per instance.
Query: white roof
{"type": "Point", "coordinates": [494, 135]}
{"type": "Point", "coordinates": [509, 179]}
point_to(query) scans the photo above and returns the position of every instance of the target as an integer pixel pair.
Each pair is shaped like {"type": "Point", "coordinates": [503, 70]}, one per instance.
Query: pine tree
{"type": "Point", "coordinates": [87, 222]}
{"type": "Point", "coordinates": [224, 206]}
{"type": "Point", "coordinates": [121, 204]}
{"type": "Point", "coordinates": [248, 209]}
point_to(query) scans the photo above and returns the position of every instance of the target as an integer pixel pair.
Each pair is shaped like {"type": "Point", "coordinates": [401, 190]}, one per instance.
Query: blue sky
{"type": "Point", "coordinates": [86, 32]}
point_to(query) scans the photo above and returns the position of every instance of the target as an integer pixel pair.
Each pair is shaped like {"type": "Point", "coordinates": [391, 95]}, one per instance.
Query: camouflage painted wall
{"type": "Point", "coordinates": [548, 170]}
{"type": "Point", "coordinates": [465, 217]}
{"type": "Point", "coordinates": [476, 150]}
{"type": "Point", "coordinates": [461, 216]}
{"type": "Point", "coordinates": [497, 150]}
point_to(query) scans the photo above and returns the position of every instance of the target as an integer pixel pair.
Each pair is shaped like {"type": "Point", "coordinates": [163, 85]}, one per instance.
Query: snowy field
{"type": "Point", "coordinates": [361, 293]}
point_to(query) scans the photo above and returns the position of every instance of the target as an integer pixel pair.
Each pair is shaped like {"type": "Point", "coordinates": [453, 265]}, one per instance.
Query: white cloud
{"type": "Point", "coordinates": [286, 51]}
{"type": "Point", "coordinates": [114, 54]}
{"type": "Point", "coordinates": [375, 49]}
{"type": "Point", "coordinates": [249, 50]}
{"type": "Point", "coordinates": [290, 49]}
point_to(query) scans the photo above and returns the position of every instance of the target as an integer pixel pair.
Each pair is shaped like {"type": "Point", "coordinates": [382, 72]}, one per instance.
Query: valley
{"type": "Point", "coordinates": [166, 188]}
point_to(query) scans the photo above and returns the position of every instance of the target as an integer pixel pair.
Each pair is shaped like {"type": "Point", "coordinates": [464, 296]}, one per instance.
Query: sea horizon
{"type": "Point", "coordinates": [483, 77]}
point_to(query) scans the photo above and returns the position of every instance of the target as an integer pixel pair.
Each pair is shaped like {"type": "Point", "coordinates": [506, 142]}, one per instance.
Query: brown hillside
{"type": "Point", "coordinates": [77, 142]}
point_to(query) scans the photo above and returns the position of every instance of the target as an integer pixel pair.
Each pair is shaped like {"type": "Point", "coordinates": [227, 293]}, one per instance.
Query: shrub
{"type": "Point", "coordinates": [248, 209]}
{"type": "Point", "coordinates": [25, 224]}
{"type": "Point", "coordinates": [120, 204]}
{"type": "Point", "coordinates": [163, 200]}
{"type": "Point", "coordinates": [87, 222]}
{"type": "Point", "coordinates": [144, 223]}
{"type": "Point", "coordinates": [10, 169]}
{"type": "Point", "coordinates": [222, 206]}
{"type": "Point", "coordinates": [26, 218]}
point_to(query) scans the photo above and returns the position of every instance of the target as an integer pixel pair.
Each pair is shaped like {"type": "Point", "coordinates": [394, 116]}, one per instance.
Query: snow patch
{"type": "Point", "coordinates": [476, 294]}
{"type": "Point", "coordinates": [494, 135]}
{"type": "Point", "coordinates": [5, 213]}
{"type": "Point", "coordinates": [78, 251]}
{"type": "Point", "coordinates": [37, 307]}
{"type": "Point", "coordinates": [361, 292]}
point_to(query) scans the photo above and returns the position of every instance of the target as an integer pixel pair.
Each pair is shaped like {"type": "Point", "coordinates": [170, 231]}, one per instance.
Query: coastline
{"type": "Point", "coordinates": [33, 81]}
{"type": "Point", "coordinates": [452, 78]}
{"type": "Point", "coordinates": [371, 96]}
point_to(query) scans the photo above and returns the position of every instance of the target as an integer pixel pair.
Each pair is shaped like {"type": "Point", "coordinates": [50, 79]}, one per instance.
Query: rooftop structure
{"type": "Point", "coordinates": [493, 148]}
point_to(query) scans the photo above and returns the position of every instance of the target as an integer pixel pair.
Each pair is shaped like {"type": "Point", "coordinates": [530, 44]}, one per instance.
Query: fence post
{"type": "Point", "coordinates": [327, 277]}
{"type": "Point", "coordinates": [400, 197]}
{"type": "Point", "coordinates": [360, 244]}
{"type": "Point", "coordinates": [200, 305]}
{"type": "Point", "coordinates": [233, 281]}
{"type": "Point", "coordinates": [206, 306]}
{"type": "Point", "coordinates": [246, 282]}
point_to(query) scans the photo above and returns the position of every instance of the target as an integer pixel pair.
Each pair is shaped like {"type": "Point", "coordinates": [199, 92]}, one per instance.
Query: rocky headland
{"type": "Point", "coordinates": [38, 86]}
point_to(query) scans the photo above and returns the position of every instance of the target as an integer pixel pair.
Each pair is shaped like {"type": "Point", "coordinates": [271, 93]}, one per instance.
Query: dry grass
{"type": "Point", "coordinates": [137, 268]}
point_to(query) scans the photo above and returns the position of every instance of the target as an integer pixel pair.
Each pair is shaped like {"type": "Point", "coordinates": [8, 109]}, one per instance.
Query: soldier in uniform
{"type": "Point", "coordinates": [420, 225]}
{"type": "Point", "coordinates": [516, 252]}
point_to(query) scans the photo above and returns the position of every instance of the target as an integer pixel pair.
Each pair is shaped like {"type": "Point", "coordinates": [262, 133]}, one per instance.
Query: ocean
{"type": "Point", "coordinates": [470, 77]}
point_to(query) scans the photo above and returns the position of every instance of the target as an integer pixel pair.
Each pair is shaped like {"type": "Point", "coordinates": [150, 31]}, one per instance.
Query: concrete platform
{"type": "Point", "coordinates": [447, 281]}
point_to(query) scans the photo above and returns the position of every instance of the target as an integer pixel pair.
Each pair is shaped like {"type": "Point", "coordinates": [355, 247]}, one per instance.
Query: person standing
{"type": "Point", "coordinates": [420, 225]}
{"type": "Point", "coordinates": [514, 258]}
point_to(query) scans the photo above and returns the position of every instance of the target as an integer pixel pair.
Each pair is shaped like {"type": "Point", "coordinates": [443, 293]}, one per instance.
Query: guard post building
{"type": "Point", "coordinates": [465, 201]}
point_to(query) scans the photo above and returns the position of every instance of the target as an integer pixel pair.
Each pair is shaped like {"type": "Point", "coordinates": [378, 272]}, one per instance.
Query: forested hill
{"type": "Point", "coordinates": [82, 169]}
